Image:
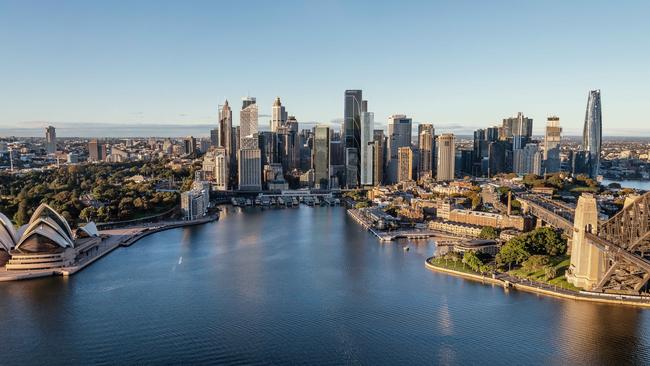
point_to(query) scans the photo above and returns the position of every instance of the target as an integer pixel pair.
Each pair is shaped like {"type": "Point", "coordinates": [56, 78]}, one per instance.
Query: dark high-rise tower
{"type": "Point", "coordinates": [592, 134]}
{"type": "Point", "coordinates": [352, 124]}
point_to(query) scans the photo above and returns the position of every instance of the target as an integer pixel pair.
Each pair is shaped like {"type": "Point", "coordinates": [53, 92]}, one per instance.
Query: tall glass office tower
{"type": "Point", "coordinates": [592, 134]}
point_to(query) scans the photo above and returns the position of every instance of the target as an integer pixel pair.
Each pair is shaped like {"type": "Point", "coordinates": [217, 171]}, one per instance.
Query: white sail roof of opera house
{"type": "Point", "coordinates": [48, 224]}
{"type": "Point", "coordinates": [8, 235]}
{"type": "Point", "coordinates": [90, 230]}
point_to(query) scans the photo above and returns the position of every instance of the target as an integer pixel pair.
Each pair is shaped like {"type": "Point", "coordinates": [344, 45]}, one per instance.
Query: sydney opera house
{"type": "Point", "coordinates": [46, 241]}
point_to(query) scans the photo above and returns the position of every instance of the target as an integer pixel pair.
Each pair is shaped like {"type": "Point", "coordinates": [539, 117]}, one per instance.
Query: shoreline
{"type": "Point", "coordinates": [124, 237]}
{"type": "Point", "coordinates": [578, 296]}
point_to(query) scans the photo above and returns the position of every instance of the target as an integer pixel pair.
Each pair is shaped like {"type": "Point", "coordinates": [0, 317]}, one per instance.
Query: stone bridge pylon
{"type": "Point", "coordinates": [611, 256]}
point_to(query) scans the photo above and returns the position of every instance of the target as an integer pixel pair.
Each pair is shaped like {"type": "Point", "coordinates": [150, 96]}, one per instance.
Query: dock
{"type": "Point", "coordinates": [386, 236]}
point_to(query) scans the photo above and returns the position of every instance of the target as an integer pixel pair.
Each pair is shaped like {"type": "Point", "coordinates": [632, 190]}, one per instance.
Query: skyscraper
{"type": "Point", "coordinates": [529, 160]}
{"type": "Point", "coordinates": [50, 139]}
{"type": "Point", "coordinates": [405, 164]}
{"type": "Point", "coordinates": [249, 160]}
{"type": "Point", "coordinates": [592, 134]}
{"type": "Point", "coordinates": [214, 137]}
{"type": "Point", "coordinates": [399, 135]}
{"type": "Point", "coordinates": [320, 161]}
{"type": "Point", "coordinates": [96, 151]}
{"type": "Point", "coordinates": [221, 174]}
{"type": "Point", "coordinates": [189, 145]}
{"type": "Point", "coordinates": [367, 147]}
{"type": "Point", "coordinates": [278, 115]}
{"type": "Point", "coordinates": [353, 104]}
{"type": "Point", "coordinates": [248, 117]}
{"type": "Point", "coordinates": [446, 157]}
{"type": "Point", "coordinates": [552, 140]}
{"type": "Point", "coordinates": [425, 145]}
{"type": "Point", "coordinates": [379, 146]}
{"type": "Point", "coordinates": [225, 129]}
{"type": "Point", "coordinates": [519, 125]}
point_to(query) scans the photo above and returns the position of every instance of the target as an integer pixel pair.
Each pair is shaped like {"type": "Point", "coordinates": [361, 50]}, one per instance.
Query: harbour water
{"type": "Point", "coordinates": [302, 285]}
{"type": "Point", "coordinates": [637, 184]}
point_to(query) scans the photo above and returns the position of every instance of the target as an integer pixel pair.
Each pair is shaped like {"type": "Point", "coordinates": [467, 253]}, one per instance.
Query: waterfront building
{"type": "Point", "coordinates": [552, 140]}
{"type": "Point", "coordinates": [592, 133]}
{"type": "Point", "coordinates": [278, 115]}
{"type": "Point", "coordinates": [399, 135]}
{"type": "Point", "coordinates": [50, 139]}
{"type": "Point", "coordinates": [249, 159]}
{"type": "Point", "coordinates": [96, 151]}
{"type": "Point", "coordinates": [405, 164]}
{"type": "Point", "coordinates": [455, 228]}
{"type": "Point", "coordinates": [446, 165]}
{"type": "Point", "coordinates": [321, 157]}
{"type": "Point", "coordinates": [193, 204]}
{"type": "Point", "coordinates": [46, 241]}
{"type": "Point", "coordinates": [379, 151]}
{"type": "Point", "coordinates": [221, 164]}
{"type": "Point", "coordinates": [248, 118]}
{"type": "Point", "coordinates": [8, 235]}
{"type": "Point", "coordinates": [352, 108]}
{"type": "Point", "coordinates": [494, 220]}
{"type": "Point", "coordinates": [425, 147]}
{"type": "Point", "coordinates": [367, 147]}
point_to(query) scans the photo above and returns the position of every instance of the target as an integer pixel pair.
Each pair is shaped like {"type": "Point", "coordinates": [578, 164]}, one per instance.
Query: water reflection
{"type": "Point", "coordinates": [302, 285]}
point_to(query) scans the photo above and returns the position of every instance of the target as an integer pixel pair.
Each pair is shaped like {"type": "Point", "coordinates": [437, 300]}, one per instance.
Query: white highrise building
{"type": "Point", "coordinates": [278, 115]}
{"type": "Point", "coordinates": [249, 160]}
{"type": "Point", "coordinates": [446, 157]}
{"type": "Point", "coordinates": [221, 173]}
{"type": "Point", "coordinates": [248, 118]}
{"type": "Point", "coordinates": [367, 147]}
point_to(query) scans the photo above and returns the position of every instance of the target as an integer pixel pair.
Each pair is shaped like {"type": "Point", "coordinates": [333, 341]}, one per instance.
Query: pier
{"type": "Point", "coordinates": [385, 236]}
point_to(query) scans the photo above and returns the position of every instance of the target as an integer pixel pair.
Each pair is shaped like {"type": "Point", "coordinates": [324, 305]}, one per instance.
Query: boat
{"type": "Point", "coordinates": [406, 249]}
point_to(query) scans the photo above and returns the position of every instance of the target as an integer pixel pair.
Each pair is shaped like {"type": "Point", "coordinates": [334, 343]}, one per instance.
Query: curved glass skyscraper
{"type": "Point", "coordinates": [592, 134]}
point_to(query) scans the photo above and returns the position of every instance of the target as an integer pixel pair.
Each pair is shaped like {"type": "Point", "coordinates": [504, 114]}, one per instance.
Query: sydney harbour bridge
{"type": "Point", "coordinates": [611, 255]}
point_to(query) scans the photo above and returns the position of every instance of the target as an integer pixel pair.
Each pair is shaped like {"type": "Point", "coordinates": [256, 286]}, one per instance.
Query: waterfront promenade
{"type": "Point", "coordinates": [510, 282]}
{"type": "Point", "coordinates": [111, 240]}
{"type": "Point", "coordinates": [398, 234]}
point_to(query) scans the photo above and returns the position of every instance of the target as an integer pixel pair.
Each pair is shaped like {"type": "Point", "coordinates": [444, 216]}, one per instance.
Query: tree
{"type": "Point", "coordinates": [472, 260]}
{"type": "Point", "coordinates": [550, 272]}
{"type": "Point", "coordinates": [488, 233]}
{"type": "Point", "coordinates": [513, 252]}
{"type": "Point", "coordinates": [21, 217]}
{"type": "Point", "coordinates": [361, 204]}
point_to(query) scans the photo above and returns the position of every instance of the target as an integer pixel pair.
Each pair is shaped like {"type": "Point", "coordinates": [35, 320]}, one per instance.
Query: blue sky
{"type": "Point", "coordinates": [458, 64]}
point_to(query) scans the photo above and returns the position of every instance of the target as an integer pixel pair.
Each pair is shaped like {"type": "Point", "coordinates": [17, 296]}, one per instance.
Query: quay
{"type": "Point", "coordinates": [397, 234]}
{"type": "Point", "coordinates": [111, 240]}
{"type": "Point", "coordinates": [510, 282]}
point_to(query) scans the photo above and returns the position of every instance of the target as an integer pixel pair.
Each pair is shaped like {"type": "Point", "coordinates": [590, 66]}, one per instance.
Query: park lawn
{"type": "Point", "coordinates": [581, 189]}
{"type": "Point", "coordinates": [561, 264]}
{"type": "Point", "coordinates": [455, 266]}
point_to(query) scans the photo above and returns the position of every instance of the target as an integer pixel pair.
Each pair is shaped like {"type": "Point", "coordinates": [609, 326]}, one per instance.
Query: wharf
{"type": "Point", "coordinates": [397, 234]}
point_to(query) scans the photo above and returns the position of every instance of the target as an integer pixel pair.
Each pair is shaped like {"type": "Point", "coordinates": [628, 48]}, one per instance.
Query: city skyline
{"type": "Point", "coordinates": [157, 83]}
